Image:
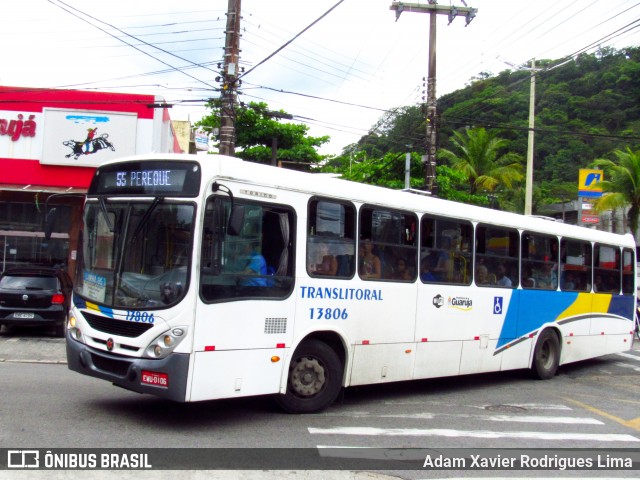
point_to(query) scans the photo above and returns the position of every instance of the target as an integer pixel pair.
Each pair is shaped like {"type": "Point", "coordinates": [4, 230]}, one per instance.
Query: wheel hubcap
{"type": "Point", "coordinates": [307, 377]}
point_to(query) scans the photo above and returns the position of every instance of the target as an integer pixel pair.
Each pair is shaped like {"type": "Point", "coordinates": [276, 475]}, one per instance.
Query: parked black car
{"type": "Point", "coordinates": [35, 296]}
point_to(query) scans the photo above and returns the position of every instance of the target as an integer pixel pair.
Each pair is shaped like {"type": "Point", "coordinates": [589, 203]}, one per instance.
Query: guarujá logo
{"type": "Point", "coordinates": [461, 303]}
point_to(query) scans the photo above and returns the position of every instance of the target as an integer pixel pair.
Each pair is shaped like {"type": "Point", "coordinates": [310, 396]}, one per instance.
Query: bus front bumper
{"type": "Point", "coordinates": [166, 378]}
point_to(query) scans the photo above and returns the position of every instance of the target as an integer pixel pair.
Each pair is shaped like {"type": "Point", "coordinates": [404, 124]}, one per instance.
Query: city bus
{"type": "Point", "coordinates": [208, 277]}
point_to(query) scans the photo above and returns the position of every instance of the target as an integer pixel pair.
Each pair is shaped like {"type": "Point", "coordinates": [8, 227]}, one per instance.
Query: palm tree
{"type": "Point", "coordinates": [480, 163]}
{"type": "Point", "coordinates": [623, 187]}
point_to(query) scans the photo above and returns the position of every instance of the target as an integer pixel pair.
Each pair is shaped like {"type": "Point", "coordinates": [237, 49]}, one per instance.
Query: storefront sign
{"type": "Point", "coordinates": [88, 138]}
{"type": "Point", "coordinates": [590, 219]}
{"type": "Point", "coordinates": [18, 127]}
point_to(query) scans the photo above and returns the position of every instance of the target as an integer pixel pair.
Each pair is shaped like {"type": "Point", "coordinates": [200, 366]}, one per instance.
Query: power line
{"type": "Point", "coordinates": [131, 36]}
{"type": "Point", "coordinates": [290, 41]}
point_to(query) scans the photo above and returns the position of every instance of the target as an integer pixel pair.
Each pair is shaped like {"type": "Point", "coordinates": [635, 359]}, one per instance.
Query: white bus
{"type": "Point", "coordinates": [207, 277]}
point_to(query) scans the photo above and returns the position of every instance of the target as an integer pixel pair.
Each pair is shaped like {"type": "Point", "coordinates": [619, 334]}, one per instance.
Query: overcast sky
{"type": "Point", "coordinates": [339, 77]}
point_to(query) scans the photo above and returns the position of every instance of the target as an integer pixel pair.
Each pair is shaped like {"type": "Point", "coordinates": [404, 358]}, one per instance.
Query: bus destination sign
{"type": "Point", "coordinates": [147, 178]}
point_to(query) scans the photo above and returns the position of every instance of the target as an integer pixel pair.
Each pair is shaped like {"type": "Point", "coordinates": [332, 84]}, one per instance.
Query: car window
{"type": "Point", "coordinates": [21, 282]}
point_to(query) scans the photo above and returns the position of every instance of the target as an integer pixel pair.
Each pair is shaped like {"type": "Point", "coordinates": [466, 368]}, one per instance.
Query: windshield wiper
{"type": "Point", "coordinates": [145, 218]}
{"type": "Point", "coordinates": [105, 212]}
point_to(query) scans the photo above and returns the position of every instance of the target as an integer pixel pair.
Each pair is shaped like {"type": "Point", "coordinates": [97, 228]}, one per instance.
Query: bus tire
{"type": "Point", "coordinates": [546, 356]}
{"type": "Point", "coordinates": [314, 379]}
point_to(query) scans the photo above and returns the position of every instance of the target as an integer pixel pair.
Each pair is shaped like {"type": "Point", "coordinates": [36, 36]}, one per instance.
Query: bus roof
{"type": "Point", "coordinates": [237, 170]}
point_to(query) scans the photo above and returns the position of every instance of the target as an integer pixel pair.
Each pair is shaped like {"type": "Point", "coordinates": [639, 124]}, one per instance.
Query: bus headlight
{"type": "Point", "coordinates": [73, 329]}
{"type": "Point", "coordinates": [164, 344]}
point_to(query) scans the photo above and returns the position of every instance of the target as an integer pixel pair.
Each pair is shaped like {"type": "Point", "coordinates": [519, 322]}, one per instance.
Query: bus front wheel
{"type": "Point", "coordinates": [314, 379]}
{"type": "Point", "coordinates": [546, 356]}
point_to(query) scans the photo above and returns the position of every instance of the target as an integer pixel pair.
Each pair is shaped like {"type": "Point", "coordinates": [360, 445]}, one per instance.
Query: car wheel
{"type": "Point", "coordinates": [61, 329]}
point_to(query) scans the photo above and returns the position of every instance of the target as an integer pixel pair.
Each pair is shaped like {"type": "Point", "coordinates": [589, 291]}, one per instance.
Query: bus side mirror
{"type": "Point", "coordinates": [49, 221]}
{"type": "Point", "coordinates": [236, 220]}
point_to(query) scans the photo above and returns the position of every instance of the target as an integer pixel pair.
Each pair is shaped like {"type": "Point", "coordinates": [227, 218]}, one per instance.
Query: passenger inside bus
{"type": "Point", "coordinates": [527, 278]}
{"type": "Point", "coordinates": [547, 277]}
{"type": "Point", "coordinates": [425, 269]}
{"type": "Point", "coordinates": [329, 264]}
{"type": "Point", "coordinates": [442, 269]}
{"type": "Point", "coordinates": [370, 266]}
{"type": "Point", "coordinates": [502, 280]}
{"type": "Point", "coordinates": [568, 281]}
{"type": "Point", "coordinates": [256, 267]}
{"type": "Point", "coordinates": [401, 271]}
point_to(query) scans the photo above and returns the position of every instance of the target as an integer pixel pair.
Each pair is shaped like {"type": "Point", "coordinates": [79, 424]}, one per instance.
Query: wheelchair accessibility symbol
{"type": "Point", "coordinates": [497, 305]}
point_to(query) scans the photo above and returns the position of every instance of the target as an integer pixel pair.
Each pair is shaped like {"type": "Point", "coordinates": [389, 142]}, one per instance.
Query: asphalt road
{"type": "Point", "coordinates": [590, 404]}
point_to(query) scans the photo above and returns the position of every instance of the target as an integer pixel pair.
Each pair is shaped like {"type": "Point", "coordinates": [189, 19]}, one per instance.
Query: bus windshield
{"type": "Point", "coordinates": [135, 254]}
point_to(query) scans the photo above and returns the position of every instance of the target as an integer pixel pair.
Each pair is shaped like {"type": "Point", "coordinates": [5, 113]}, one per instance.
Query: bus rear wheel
{"type": "Point", "coordinates": [314, 379]}
{"type": "Point", "coordinates": [546, 356]}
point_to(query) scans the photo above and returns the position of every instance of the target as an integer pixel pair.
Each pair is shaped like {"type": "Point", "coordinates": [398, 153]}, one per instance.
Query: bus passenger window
{"type": "Point", "coordinates": [331, 239]}
{"type": "Point", "coordinates": [575, 265]}
{"type": "Point", "coordinates": [539, 261]}
{"type": "Point", "coordinates": [254, 261]}
{"type": "Point", "coordinates": [497, 251]}
{"type": "Point", "coordinates": [628, 261]}
{"type": "Point", "coordinates": [388, 245]}
{"type": "Point", "coordinates": [445, 251]}
{"type": "Point", "coordinates": [606, 269]}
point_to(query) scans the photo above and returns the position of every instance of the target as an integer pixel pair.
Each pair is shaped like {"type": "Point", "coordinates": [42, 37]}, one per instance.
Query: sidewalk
{"type": "Point", "coordinates": [32, 349]}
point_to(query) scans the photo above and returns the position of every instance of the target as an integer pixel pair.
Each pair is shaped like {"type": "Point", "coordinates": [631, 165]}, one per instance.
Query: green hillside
{"type": "Point", "coordinates": [584, 109]}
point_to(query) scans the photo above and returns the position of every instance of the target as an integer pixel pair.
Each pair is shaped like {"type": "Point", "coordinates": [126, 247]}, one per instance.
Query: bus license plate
{"type": "Point", "coordinates": [155, 378]}
{"type": "Point", "coordinates": [23, 315]}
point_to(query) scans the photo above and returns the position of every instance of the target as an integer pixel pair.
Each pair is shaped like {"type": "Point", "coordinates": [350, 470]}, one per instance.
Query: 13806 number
{"type": "Point", "coordinates": [140, 317]}
{"type": "Point", "coordinates": [328, 313]}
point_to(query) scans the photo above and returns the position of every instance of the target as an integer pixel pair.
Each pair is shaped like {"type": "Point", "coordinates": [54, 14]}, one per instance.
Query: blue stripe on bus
{"type": "Point", "coordinates": [622, 306]}
{"type": "Point", "coordinates": [81, 304]}
{"type": "Point", "coordinates": [530, 309]}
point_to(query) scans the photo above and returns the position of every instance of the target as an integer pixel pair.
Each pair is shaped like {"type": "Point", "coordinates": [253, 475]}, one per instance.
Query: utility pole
{"type": "Point", "coordinates": [228, 96]}
{"type": "Point", "coordinates": [433, 9]}
{"type": "Point", "coordinates": [528, 192]}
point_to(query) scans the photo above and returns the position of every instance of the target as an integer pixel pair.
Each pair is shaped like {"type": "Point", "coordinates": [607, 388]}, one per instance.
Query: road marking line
{"type": "Point", "coordinates": [491, 417]}
{"type": "Point", "coordinates": [444, 432]}
{"type": "Point", "coordinates": [628, 355]}
{"type": "Point", "coordinates": [628, 365]}
{"type": "Point", "coordinates": [528, 406]}
{"type": "Point", "coordinates": [633, 423]}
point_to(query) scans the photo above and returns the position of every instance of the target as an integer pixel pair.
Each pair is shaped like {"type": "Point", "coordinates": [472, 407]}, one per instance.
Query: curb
{"type": "Point", "coordinates": [53, 362]}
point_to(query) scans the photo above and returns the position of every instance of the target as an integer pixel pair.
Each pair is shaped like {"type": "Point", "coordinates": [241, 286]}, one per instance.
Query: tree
{"type": "Point", "coordinates": [258, 130]}
{"type": "Point", "coordinates": [385, 171]}
{"type": "Point", "coordinates": [622, 189]}
{"type": "Point", "coordinates": [480, 160]}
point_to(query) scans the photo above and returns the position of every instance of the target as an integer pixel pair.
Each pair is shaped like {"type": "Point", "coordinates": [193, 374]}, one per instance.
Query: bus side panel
{"type": "Point", "coordinates": [439, 318]}
{"type": "Point", "coordinates": [477, 356]}
{"type": "Point", "coordinates": [595, 325]}
{"type": "Point", "coordinates": [234, 343]}
{"type": "Point", "coordinates": [612, 313]}
{"type": "Point", "coordinates": [518, 355]}
{"type": "Point", "coordinates": [514, 350]}
{"type": "Point", "coordinates": [244, 324]}
{"type": "Point", "coordinates": [611, 325]}
{"type": "Point", "coordinates": [493, 312]}
{"type": "Point", "coordinates": [378, 317]}
{"type": "Point", "coordinates": [437, 359]}
{"type": "Point", "coordinates": [382, 363]}
{"type": "Point", "coordinates": [235, 373]}
{"type": "Point", "coordinates": [540, 307]}
{"type": "Point", "coordinates": [371, 312]}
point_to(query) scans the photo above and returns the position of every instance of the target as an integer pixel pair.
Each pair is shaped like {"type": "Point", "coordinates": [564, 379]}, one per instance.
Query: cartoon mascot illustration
{"type": "Point", "coordinates": [90, 145]}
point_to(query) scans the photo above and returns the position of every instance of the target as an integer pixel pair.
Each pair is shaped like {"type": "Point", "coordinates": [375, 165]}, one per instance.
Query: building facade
{"type": "Point", "coordinates": [51, 142]}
